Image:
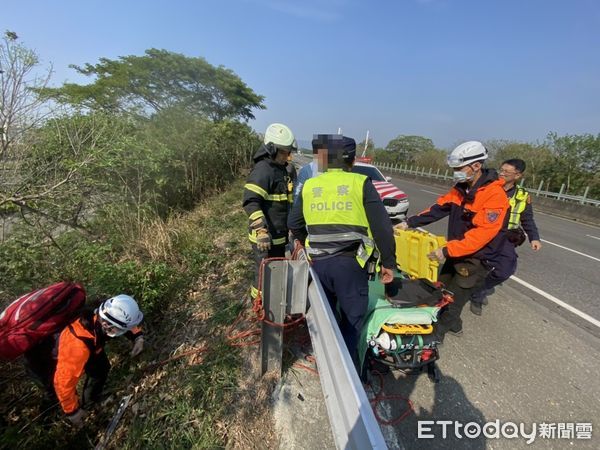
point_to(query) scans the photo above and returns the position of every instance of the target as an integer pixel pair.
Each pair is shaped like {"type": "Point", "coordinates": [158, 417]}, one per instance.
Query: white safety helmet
{"type": "Point", "coordinates": [121, 313]}
{"type": "Point", "coordinates": [467, 153]}
{"type": "Point", "coordinates": [280, 136]}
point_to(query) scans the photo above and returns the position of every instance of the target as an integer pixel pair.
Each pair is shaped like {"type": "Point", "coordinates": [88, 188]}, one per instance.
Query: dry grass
{"type": "Point", "coordinates": [204, 399]}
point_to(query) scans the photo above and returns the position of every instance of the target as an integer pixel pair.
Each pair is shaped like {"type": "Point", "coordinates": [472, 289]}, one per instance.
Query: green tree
{"type": "Point", "coordinates": [405, 148]}
{"type": "Point", "coordinates": [369, 151]}
{"type": "Point", "coordinates": [432, 158]}
{"type": "Point", "coordinates": [537, 157]}
{"type": "Point", "coordinates": [157, 81]}
{"type": "Point", "coordinates": [19, 108]}
{"type": "Point", "coordinates": [577, 158]}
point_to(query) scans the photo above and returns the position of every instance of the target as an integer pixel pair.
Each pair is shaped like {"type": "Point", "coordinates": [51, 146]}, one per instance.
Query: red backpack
{"type": "Point", "coordinates": [32, 317]}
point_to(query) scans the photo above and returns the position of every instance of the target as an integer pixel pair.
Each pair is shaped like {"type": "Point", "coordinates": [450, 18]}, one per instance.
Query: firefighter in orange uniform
{"type": "Point", "coordinates": [476, 207]}
{"type": "Point", "coordinates": [60, 363]}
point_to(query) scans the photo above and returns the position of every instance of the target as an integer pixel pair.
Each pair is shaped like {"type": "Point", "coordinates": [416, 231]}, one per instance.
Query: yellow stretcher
{"type": "Point", "coordinates": [397, 328]}
{"type": "Point", "coordinates": [412, 247]}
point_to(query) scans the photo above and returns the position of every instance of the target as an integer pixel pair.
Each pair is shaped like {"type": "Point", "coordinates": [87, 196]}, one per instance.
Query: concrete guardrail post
{"type": "Point", "coordinates": [539, 189]}
{"type": "Point", "coordinates": [562, 190]}
{"type": "Point", "coordinates": [585, 194]}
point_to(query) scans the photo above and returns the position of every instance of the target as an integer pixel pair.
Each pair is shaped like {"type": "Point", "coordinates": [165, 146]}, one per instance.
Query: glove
{"type": "Point", "coordinates": [401, 226]}
{"type": "Point", "coordinates": [138, 346]}
{"type": "Point", "coordinates": [77, 417]}
{"type": "Point", "coordinates": [263, 240]}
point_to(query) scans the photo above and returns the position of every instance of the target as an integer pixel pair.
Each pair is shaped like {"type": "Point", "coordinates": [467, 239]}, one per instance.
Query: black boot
{"type": "Point", "coordinates": [476, 308]}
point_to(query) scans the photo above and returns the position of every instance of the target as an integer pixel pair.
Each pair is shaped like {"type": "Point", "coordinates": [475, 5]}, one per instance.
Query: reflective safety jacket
{"type": "Point", "coordinates": [518, 201]}
{"type": "Point", "coordinates": [521, 204]}
{"type": "Point", "coordinates": [341, 213]}
{"type": "Point", "coordinates": [335, 215]}
{"type": "Point", "coordinates": [476, 218]}
{"type": "Point", "coordinates": [77, 344]}
{"type": "Point", "coordinates": [268, 195]}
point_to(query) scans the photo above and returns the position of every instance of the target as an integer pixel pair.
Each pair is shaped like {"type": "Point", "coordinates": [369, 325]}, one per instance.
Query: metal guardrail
{"type": "Point", "coordinates": [286, 286]}
{"type": "Point", "coordinates": [352, 420]}
{"type": "Point", "coordinates": [430, 173]}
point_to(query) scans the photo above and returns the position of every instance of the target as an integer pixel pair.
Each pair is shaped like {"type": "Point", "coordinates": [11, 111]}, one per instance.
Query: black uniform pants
{"type": "Point", "coordinates": [96, 369]}
{"type": "Point", "coordinates": [276, 251]}
{"type": "Point", "coordinates": [40, 363]}
{"type": "Point", "coordinates": [503, 269]}
{"type": "Point", "coordinates": [346, 285]}
{"type": "Point", "coordinates": [463, 282]}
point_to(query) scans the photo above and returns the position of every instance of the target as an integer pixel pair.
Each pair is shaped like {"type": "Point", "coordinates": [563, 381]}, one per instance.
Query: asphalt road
{"type": "Point", "coordinates": [566, 268]}
{"type": "Point", "coordinates": [526, 360]}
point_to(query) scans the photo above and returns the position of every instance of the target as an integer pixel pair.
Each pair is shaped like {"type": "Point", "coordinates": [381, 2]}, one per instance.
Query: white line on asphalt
{"type": "Point", "coordinates": [571, 250]}
{"type": "Point", "coordinates": [558, 302]}
{"type": "Point", "coordinates": [593, 237]}
{"type": "Point", "coordinates": [430, 192]}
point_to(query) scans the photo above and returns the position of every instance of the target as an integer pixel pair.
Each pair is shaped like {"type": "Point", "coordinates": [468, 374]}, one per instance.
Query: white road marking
{"type": "Point", "coordinates": [434, 193]}
{"type": "Point", "coordinates": [571, 250]}
{"type": "Point", "coordinates": [557, 301]}
{"type": "Point", "coordinates": [593, 237]}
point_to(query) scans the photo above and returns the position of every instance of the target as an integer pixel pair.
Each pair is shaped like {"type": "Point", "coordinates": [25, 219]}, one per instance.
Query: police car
{"type": "Point", "coordinates": [395, 201]}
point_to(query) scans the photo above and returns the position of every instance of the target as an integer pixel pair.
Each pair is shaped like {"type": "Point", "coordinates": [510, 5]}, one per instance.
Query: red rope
{"type": "Point", "coordinates": [381, 398]}
{"type": "Point", "coordinates": [239, 339]}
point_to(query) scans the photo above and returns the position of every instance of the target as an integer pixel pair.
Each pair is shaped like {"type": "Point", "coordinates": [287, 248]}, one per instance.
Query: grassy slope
{"type": "Point", "coordinates": [203, 400]}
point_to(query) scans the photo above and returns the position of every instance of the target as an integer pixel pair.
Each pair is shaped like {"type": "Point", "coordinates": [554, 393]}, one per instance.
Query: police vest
{"type": "Point", "coordinates": [518, 203]}
{"type": "Point", "coordinates": [333, 208]}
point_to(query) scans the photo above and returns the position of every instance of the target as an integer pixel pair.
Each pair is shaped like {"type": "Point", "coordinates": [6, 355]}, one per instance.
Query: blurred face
{"type": "Point", "coordinates": [510, 174]}
{"type": "Point", "coordinates": [322, 160]}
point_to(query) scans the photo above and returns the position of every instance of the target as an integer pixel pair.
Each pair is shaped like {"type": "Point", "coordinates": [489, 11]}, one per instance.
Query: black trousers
{"type": "Point", "coordinates": [463, 288]}
{"type": "Point", "coordinates": [346, 285]}
{"type": "Point", "coordinates": [40, 362]}
{"type": "Point", "coordinates": [276, 251]}
{"type": "Point", "coordinates": [503, 270]}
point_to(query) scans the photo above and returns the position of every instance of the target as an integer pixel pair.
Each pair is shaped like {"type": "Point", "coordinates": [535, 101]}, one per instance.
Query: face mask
{"type": "Point", "coordinates": [112, 330]}
{"type": "Point", "coordinates": [115, 332]}
{"type": "Point", "coordinates": [461, 177]}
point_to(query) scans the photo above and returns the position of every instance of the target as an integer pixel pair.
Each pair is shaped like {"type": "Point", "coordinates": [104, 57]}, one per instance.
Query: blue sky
{"type": "Point", "coordinates": [450, 70]}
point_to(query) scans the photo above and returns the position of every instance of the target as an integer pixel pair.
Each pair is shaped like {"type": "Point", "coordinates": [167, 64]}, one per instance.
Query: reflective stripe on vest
{"type": "Point", "coordinates": [333, 208]}
{"type": "Point", "coordinates": [518, 203]}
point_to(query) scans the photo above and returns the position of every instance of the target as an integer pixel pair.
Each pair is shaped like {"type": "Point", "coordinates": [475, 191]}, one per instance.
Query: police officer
{"type": "Point", "coordinates": [341, 220]}
{"type": "Point", "coordinates": [268, 196]}
{"type": "Point", "coordinates": [311, 169]}
{"type": "Point", "coordinates": [476, 206]}
{"type": "Point", "coordinates": [520, 225]}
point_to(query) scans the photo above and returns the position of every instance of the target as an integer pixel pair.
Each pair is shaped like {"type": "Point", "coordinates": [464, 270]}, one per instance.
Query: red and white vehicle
{"type": "Point", "coordinates": [395, 201]}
